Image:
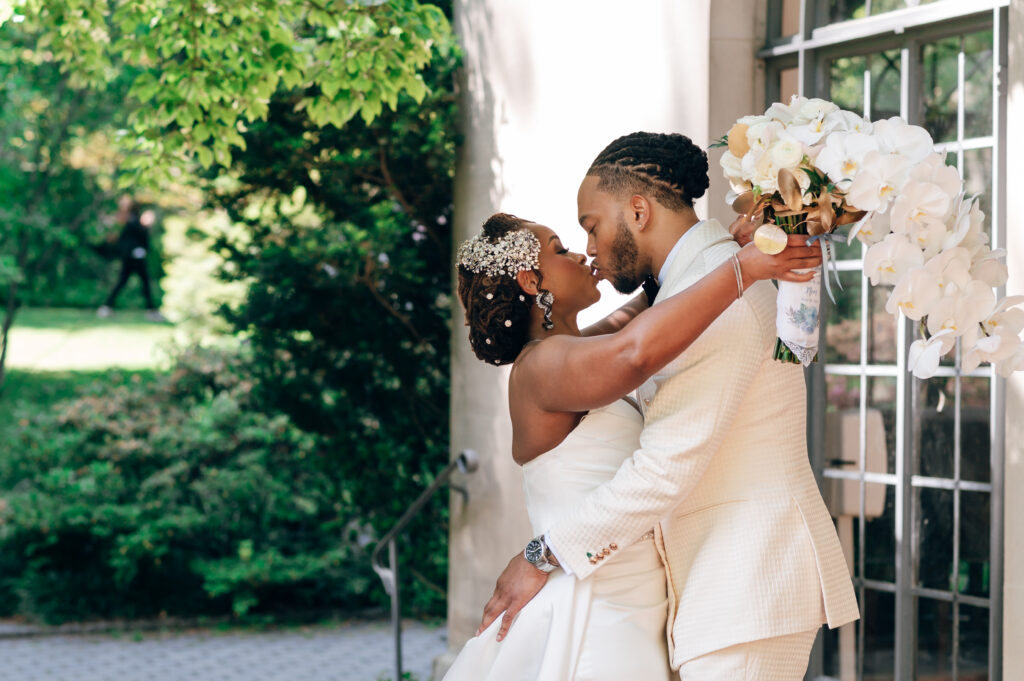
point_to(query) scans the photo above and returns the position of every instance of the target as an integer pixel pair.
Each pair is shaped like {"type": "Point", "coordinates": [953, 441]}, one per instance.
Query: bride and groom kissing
{"type": "Point", "coordinates": [681, 532]}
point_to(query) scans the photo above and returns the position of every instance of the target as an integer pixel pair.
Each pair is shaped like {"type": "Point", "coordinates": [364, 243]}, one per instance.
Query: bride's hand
{"type": "Point", "coordinates": [797, 256]}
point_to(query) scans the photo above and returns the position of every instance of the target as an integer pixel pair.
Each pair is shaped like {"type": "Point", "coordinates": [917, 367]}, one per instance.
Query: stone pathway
{"type": "Point", "coordinates": [355, 651]}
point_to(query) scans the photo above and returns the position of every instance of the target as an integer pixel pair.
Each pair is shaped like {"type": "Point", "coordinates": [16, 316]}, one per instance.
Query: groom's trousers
{"type": "Point", "coordinates": [783, 658]}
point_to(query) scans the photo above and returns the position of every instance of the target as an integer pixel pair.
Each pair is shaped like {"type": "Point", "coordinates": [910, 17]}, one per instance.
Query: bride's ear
{"type": "Point", "coordinates": [527, 280]}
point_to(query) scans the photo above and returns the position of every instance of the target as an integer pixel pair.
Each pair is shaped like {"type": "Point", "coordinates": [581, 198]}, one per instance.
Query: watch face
{"type": "Point", "coordinates": [534, 551]}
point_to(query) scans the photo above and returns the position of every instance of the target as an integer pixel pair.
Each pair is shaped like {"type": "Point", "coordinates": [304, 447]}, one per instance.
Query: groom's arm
{"type": "Point", "coordinates": [686, 422]}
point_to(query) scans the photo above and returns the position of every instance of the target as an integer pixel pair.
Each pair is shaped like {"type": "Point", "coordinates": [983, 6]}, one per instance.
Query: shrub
{"type": "Point", "coordinates": [177, 496]}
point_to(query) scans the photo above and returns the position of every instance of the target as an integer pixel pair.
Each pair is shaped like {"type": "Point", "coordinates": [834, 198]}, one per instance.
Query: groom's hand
{"type": "Point", "coordinates": [516, 587]}
{"type": "Point", "coordinates": [744, 226]}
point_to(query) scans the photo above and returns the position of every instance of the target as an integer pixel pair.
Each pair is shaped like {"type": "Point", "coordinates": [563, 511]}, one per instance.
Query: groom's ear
{"type": "Point", "coordinates": [640, 207]}
{"type": "Point", "coordinates": [527, 280]}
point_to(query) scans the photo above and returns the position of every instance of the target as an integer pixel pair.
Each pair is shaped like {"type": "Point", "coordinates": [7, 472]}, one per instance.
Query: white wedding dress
{"type": "Point", "coordinates": [608, 627]}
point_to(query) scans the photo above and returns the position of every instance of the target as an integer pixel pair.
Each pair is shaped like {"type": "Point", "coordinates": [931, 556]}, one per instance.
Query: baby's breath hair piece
{"type": "Point", "coordinates": [511, 253]}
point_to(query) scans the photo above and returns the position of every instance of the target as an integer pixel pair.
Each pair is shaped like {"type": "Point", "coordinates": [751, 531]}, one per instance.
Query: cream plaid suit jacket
{"type": "Point", "coordinates": [722, 472]}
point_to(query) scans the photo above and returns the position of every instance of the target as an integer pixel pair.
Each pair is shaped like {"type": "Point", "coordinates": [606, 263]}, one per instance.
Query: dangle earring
{"type": "Point", "coordinates": [545, 299]}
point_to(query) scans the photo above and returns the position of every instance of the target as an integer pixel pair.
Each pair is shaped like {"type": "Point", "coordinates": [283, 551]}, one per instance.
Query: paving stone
{"type": "Point", "coordinates": [355, 651]}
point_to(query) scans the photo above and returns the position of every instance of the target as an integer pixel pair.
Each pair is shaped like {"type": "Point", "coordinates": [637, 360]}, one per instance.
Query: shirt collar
{"type": "Point", "coordinates": [673, 253]}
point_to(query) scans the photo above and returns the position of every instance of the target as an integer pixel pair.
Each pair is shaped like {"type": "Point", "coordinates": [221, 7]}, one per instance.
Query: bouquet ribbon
{"type": "Point", "coordinates": [829, 262]}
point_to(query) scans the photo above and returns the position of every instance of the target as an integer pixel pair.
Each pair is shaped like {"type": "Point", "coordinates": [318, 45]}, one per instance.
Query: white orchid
{"type": "Point", "coordinates": [786, 113]}
{"type": "Point", "coordinates": [924, 355]}
{"type": "Point", "coordinates": [847, 121]}
{"type": "Point", "coordinates": [732, 166]}
{"type": "Point", "coordinates": [920, 212]}
{"type": "Point", "coordinates": [960, 308]}
{"type": "Point", "coordinates": [880, 177]}
{"type": "Point", "coordinates": [915, 294]}
{"type": "Point", "coordinates": [897, 136]}
{"type": "Point", "coordinates": [871, 229]}
{"type": "Point", "coordinates": [816, 109]}
{"type": "Point", "coordinates": [995, 349]}
{"type": "Point", "coordinates": [967, 227]}
{"type": "Point", "coordinates": [887, 261]}
{"type": "Point", "coordinates": [843, 153]}
{"type": "Point", "coordinates": [989, 269]}
{"type": "Point", "coordinates": [951, 267]}
{"type": "Point", "coordinates": [934, 169]}
{"type": "Point", "coordinates": [762, 135]}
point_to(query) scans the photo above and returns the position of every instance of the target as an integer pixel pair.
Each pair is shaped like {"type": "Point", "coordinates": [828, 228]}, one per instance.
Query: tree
{"type": "Point", "coordinates": [200, 73]}
{"type": "Point", "coordinates": [207, 70]}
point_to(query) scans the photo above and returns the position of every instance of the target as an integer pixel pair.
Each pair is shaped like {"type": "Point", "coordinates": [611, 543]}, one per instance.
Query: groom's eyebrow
{"type": "Point", "coordinates": [583, 219]}
{"type": "Point", "coordinates": [553, 238]}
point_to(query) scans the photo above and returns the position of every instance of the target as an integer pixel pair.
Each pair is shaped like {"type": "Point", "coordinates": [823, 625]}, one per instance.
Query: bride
{"type": "Point", "coordinates": [573, 424]}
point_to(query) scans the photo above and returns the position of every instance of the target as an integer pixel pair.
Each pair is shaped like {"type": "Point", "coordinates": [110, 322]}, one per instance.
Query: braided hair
{"type": "Point", "coordinates": [668, 166]}
{"type": "Point", "coordinates": [497, 309]}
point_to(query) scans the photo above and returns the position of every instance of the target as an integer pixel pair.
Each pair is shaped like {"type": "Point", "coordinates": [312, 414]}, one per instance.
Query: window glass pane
{"type": "Point", "coordinates": [842, 10]}
{"type": "Point", "coordinates": [843, 393]}
{"type": "Point", "coordinates": [939, 89]}
{"type": "Point", "coordinates": [840, 652]}
{"type": "Point", "coordinates": [936, 413]}
{"type": "Point", "coordinates": [973, 657]}
{"type": "Point", "coordinates": [934, 639]}
{"type": "Point", "coordinates": [885, 85]}
{"type": "Point", "coordinates": [843, 331]}
{"type": "Point", "coordinates": [789, 83]}
{"type": "Point", "coordinates": [790, 17]}
{"type": "Point", "coordinates": [978, 84]}
{"type": "Point", "coordinates": [881, 416]}
{"type": "Point", "coordinates": [933, 515]}
{"type": "Point", "coordinates": [878, 612]}
{"type": "Point", "coordinates": [879, 533]}
{"type": "Point", "coordinates": [882, 340]}
{"type": "Point", "coordinates": [975, 554]}
{"type": "Point", "coordinates": [846, 83]}
{"type": "Point", "coordinates": [978, 180]}
{"type": "Point", "coordinates": [975, 435]}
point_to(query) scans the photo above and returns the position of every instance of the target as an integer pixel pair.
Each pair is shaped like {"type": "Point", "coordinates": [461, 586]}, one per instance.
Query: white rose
{"type": "Point", "coordinates": [787, 154]}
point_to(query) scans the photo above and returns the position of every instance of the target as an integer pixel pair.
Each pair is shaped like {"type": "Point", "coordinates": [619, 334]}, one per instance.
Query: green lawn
{"type": "Point", "coordinates": [78, 340]}
{"type": "Point", "coordinates": [55, 353]}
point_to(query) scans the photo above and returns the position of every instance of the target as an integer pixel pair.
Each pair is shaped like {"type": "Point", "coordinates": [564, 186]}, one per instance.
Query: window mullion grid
{"type": "Point", "coordinates": [909, 426]}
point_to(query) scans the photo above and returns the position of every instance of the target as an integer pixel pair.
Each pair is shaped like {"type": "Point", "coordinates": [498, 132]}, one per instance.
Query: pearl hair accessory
{"type": "Point", "coordinates": [513, 252]}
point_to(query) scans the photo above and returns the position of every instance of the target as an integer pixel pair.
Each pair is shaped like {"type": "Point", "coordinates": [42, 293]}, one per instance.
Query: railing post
{"type": "Point", "coordinates": [467, 461]}
{"type": "Point", "coordinates": [396, 608]}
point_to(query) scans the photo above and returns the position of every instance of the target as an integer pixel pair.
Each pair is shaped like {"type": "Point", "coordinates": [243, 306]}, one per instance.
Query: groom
{"type": "Point", "coordinates": [753, 563]}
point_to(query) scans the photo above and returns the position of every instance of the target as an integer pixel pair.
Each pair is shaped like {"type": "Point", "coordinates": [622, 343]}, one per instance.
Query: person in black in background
{"type": "Point", "coordinates": [133, 246]}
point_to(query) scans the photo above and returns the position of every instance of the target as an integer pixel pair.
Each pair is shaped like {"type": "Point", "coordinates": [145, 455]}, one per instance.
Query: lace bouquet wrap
{"type": "Point", "coordinates": [814, 168]}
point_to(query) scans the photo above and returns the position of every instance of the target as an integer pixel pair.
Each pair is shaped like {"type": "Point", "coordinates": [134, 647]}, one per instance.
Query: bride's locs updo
{"type": "Point", "coordinates": [669, 166]}
{"type": "Point", "coordinates": [497, 309]}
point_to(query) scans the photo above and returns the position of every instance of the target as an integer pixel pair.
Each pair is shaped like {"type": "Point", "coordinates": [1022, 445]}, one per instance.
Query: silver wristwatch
{"type": "Point", "coordinates": [539, 555]}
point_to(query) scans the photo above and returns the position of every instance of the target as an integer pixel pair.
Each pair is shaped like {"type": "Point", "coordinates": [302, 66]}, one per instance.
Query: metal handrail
{"type": "Point", "coordinates": [467, 461]}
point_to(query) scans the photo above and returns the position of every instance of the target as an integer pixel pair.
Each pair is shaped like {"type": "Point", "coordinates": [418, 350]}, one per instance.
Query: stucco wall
{"type": "Point", "coordinates": [1013, 589]}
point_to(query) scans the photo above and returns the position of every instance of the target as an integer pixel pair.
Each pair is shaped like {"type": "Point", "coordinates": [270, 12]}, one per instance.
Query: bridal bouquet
{"type": "Point", "coordinates": [813, 168]}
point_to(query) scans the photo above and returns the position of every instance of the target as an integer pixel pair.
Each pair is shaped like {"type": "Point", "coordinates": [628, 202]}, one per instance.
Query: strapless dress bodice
{"type": "Point", "coordinates": [588, 457]}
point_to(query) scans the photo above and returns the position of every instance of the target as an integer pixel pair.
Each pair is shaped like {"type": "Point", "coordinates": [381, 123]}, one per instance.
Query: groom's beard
{"type": "Point", "coordinates": [624, 262]}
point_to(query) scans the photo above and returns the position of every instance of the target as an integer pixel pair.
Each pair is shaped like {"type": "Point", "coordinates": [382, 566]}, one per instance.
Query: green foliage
{"type": "Point", "coordinates": [205, 72]}
{"type": "Point", "coordinates": [176, 495]}
{"type": "Point", "coordinates": [347, 258]}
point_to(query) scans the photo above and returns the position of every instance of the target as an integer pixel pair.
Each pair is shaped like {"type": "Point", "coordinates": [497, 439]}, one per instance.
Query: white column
{"type": "Point", "coordinates": [1013, 584]}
